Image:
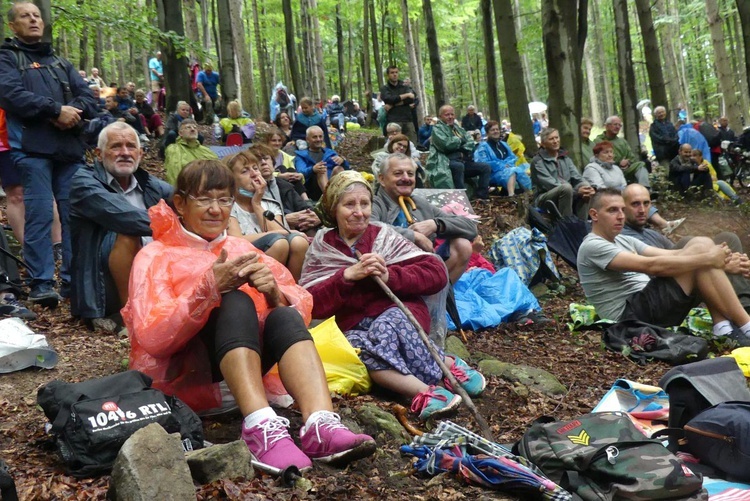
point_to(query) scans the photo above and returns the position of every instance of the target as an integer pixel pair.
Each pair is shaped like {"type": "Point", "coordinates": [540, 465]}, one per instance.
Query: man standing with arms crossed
{"type": "Point", "coordinates": [45, 100]}
{"type": "Point", "coordinates": [400, 101]}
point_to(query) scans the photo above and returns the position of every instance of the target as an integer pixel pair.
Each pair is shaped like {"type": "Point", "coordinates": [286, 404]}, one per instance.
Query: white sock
{"type": "Point", "coordinates": [745, 329]}
{"type": "Point", "coordinates": [255, 418]}
{"type": "Point", "coordinates": [315, 416]}
{"type": "Point", "coordinates": [723, 328]}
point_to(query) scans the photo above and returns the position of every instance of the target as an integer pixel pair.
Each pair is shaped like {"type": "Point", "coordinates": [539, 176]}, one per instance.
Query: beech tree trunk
{"type": "Point", "coordinates": [423, 96]}
{"type": "Point", "coordinates": [723, 67]}
{"type": "Point", "coordinates": [609, 103]}
{"type": "Point", "coordinates": [241, 53]}
{"type": "Point", "coordinates": [667, 33]}
{"type": "Point", "coordinates": [169, 15]}
{"type": "Point", "coordinates": [530, 87]}
{"type": "Point", "coordinates": [376, 48]}
{"type": "Point", "coordinates": [489, 60]}
{"type": "Point", "coordinates": [320, 72]}
{"type": "Point", "coordinates": [83, 47]}
{"type": "Point", "coordinates": [227, 68]}
{"type": "Point", "coordinates": [469, 70]}
{"type": "Point", "coordinates": [626, 75]}
{"type": "Point", "coordinates": [291, 51]}
{"type": "Point", "coordinates": [592, 87]}
{"type": "Point", "coordinates": [411, 52]}
{"type": "Point", "coordinates": [205, 30]}
{"type": "Point", "coordinates": [515, 86]}
{"type": "Point", "coordinates": [743, 8]}
{"type": "Point", "coordinates": [564, 26]}
{"type": "Point", "coordinates": [340, 50]}
{"type": "Point", "coordinates": [191, 23]}
{"type": "Point", "coordinates": [263, 67]}
{"type": "Point", "coordinates": [438, 83]}
{"type": "Point", "coordinates": [657, 88]}
{"type": "Point", "coordinates": [366, 70]}
{"type": "Point", "coordinates": [738, 57]}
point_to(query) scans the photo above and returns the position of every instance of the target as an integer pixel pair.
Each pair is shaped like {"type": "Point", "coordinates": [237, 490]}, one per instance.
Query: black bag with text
{"type": "Point", "coordinates": [92, 419]}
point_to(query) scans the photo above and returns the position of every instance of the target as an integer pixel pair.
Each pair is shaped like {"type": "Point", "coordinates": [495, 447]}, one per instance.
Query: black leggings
{"type": "Point", "coordinates": [234, 324]}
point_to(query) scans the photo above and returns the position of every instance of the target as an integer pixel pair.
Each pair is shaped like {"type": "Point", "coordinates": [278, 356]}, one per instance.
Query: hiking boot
{"type": "Point", "coordinates": [11, 307]}
{"type": "Point", "coordinates": [43, 294]}
{"type": "Point", "coordinates": [270, 443]}
{"type": "Point", "coordinates": [329, 441]}
{"type": "Point", "coordinates": [65, 290]}
{"type": "Point", "coordinates": [470, 380]}
{"type": "Point", "coordinates": [434, 402]}
{"type": "Point", "coordinates": [672, 225]}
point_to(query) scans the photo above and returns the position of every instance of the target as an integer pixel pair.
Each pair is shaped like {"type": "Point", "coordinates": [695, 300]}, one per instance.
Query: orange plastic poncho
{"type": "Point", "coordinates": [172, 292]}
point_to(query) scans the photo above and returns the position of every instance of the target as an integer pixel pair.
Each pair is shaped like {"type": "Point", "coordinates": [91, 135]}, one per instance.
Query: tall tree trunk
{"type": "Point", "coordinates": [626, 75]}
{"type": "Point", "coordinates": [98, 50]}
{"type": "Point", "coordinates": [366, 70]}
{"type": "Point", "coordinates": [489, 59]}
{"type": "Point", "coordinates": [83, 47]}
{"type": "Point", "coordinates": [469, 71]}
{"type": "Point", "coordinates": [215, 29]}
{"type": "Point", "coordinates": [422, 90]}
{"type": "Point", "coordinates": [592, 87]}
{"type": "Point", "coordinates": [743, 9]}
{"type": "Point", "coordinates": [738, 55]}
{"type": "Point", "coordinates": [244, 66]}
{"type": "Point", "coordinates": [433, 47]}
{"type": "Point", "coordinates": [169, 15]}
{"type": "Point", "coordinates": [411, 52]}
{"type": "Point", "coordinates": [530, 87]}
{"type": "Point", "coordinates": [657, 89]}
{"type": "Point", "coordinates": [227, 68]}
{"type": "Point", "coordinates": [310, 67]}
{"type": "Point", "coordinates": [191, 23]}
{"type": "Point", "coordinates": [205, 30]}
{"type": "Point", "coordinates": [515, 87]}
{"type": "Point", "coordinates": [723, 67]}
{"type": "Point", "coordinates": [667, 34]}
{"type": "Point", "coordinates": [260, 48]}
{"type": "Point", "coordinates": [340, 50]}
{"type": "Point", "coordinates": [320, 72]}
{"type": "Point", "coordinates": [375, 47]}
{"type": "Point", "coordinates": [291, 51]}
{"type": "Point", "coordinates": [599, 49]}
{"type": "Point", "coordinates": [564, 26]}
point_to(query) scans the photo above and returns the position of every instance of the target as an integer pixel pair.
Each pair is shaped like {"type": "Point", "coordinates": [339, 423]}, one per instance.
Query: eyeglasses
{"type": "Point", "coordinates": [207, 202]}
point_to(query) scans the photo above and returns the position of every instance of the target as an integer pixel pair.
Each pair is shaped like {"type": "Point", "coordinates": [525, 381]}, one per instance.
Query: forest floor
{"type": "Point", "coordinates": [578, 360]}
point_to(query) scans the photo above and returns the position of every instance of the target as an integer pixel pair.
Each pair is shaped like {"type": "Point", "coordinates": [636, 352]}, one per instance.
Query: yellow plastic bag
{"type": "Point", "coordinates": [345, 372]}
{"type": "Point", "coordinates": [742, 356]}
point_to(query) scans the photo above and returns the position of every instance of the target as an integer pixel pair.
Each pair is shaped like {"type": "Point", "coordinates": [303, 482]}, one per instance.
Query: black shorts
{"type": "Point", "coordinates": [9, 174]}
{"type": "Point", "coordinates": [662, 302]}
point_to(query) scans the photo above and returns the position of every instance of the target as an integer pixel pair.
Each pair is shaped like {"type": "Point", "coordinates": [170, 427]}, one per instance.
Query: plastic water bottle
{"type": "Point", "coordinates": [217, 129]}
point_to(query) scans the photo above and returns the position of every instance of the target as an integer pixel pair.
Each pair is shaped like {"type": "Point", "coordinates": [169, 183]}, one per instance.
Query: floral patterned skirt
{"type": "Point", "coordinates": [390, 341]}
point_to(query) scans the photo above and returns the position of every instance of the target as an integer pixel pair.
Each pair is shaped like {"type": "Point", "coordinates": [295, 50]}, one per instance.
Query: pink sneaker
{"type": "Point", "coordinates": [271, 444]}
{"type": "Point", "coordinates": [329, 441]}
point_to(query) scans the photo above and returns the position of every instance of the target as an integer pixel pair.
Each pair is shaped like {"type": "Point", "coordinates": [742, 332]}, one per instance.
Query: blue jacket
{"type": "Point", "coordinates": [96, 209]}
{"type": "Point", "coordinates": [304, 164]}
{"type": "Point", "coordinates": [423, 135]}
{"type": "Point", "coordinates": [34, 97]}
{"type": "Point", "coordinates": [689, 135]}
{"type": "Point", "coordinates": [303, 122]}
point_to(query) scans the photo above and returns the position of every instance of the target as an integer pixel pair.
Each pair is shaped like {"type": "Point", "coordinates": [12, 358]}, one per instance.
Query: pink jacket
{"type": "Point", "coordinates": [172, 292]}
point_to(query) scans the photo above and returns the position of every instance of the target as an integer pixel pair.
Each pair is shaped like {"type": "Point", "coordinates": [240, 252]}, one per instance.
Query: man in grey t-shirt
{"type": "Point", "coordinates": [616, 274]}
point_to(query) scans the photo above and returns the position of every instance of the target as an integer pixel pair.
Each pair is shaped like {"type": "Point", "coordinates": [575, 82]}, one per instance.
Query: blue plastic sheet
{"type": "Point", "coordinates": [486, 300]}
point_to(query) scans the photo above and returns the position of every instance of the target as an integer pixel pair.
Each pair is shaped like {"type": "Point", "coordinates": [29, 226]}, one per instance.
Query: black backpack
{"type": "Point", "coordinates": [699, 385]}
{"type": "Point", "coordinates": [92, 419]}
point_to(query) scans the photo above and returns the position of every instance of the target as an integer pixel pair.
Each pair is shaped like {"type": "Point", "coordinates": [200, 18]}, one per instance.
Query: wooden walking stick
{"type": "Point", "coordinates": [484, 427]}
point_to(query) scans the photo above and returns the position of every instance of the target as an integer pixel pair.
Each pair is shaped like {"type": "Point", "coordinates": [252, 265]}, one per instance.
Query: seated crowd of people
{"type": "Point", "coordinates": [217, 271]}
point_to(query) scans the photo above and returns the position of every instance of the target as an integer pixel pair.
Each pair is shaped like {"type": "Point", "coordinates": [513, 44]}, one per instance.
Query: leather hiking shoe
{"type": "Point", "coordinates": [329, 441]}
{"type": "Point", "coordinates": [471, 380]}
{"type": "Point", "coordinates": [434, 402]}
{"type": "Point", "coordinates": [43, 294]}
{"type": "Point", "coordinates": [271, 444]}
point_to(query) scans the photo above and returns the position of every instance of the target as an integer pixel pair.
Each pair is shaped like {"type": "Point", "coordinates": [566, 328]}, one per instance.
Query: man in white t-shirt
{"type": "Point", "coordinates": [627, 279]}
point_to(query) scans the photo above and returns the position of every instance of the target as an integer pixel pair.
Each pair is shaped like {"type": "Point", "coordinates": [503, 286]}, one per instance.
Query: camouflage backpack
{"type": "Point", "coordinates": [603, 456]}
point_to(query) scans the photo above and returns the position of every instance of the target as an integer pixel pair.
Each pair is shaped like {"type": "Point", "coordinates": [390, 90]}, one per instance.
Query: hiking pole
{"type": "Point", "coordinates": [485, 428]}
{"type": "Point", "coordinates": [288, 475]}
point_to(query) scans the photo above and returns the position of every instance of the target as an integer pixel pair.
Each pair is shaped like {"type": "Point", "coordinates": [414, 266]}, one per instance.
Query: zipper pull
{"type": "Point", "coordinates": [612, 454]}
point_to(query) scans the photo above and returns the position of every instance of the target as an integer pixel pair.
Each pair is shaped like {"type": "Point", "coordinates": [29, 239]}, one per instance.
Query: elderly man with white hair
{"type": "Point", "coordinates": [634, 169]}
{"type": "Point", "coordinates": [318, 163]}
{"type": "Point", "coordinates": [664, 138]}
{"type": "Point", "coordinates": [109, 223]}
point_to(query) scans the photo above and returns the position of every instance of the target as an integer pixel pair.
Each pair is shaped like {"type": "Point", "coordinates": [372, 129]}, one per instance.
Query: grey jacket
{"type": "Point", "coordinates": [548, 172]}
{"type": "Point", "coordinates": [385, 210]}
